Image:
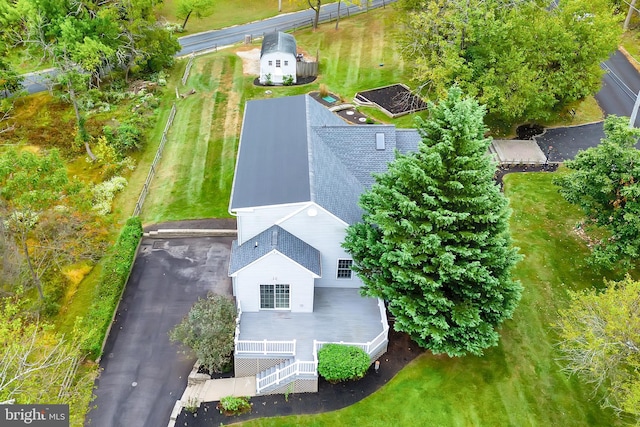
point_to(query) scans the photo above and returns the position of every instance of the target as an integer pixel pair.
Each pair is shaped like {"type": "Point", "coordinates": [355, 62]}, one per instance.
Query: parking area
{"type": "Point", "coordinates": [143, 373]}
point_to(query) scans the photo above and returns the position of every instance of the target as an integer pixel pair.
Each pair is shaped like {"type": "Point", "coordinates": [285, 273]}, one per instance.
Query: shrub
{"type": "Point", "coordinates": [287, 80]}
{"type": "Point", "coordinates": [104, 193]}
{"type": "Point", "coordinates": [126, 138]}
{"type": "Point", "coordinates": [337, 362]}
{"type": "Point", "coordinates": [114, 275]}
{"type": "Point", "coordinates": [209, 330]}
{"type": "Point", "coordinates": [231, 405]}
{"type": "Point", "coordinates": [268, 81]}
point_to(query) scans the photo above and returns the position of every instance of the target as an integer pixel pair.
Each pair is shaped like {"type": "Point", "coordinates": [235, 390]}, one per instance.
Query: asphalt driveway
{"type": "Point", "coordinates": [143, 374]}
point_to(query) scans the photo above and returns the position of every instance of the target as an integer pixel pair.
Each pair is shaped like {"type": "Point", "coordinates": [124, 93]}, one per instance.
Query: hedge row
{"type": "Point", "coordinates": [115, 272]}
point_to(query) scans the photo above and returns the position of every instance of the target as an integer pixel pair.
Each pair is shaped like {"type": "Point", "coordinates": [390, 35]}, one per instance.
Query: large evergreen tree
{"type": "Point", "coordinates": [434, 242]}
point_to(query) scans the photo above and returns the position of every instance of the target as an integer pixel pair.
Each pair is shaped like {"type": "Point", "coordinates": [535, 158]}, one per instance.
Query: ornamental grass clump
{"type": "Point", "coordinates": [337, 362]}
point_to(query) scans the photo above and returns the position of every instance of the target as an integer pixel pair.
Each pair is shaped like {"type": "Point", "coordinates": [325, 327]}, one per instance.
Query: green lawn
{"type": "Point", "coordinates": [518, 383]}
{"type": "Point", "coordinates": [196, 172]}
{"type": "Point", "coordinates": [229, 12]}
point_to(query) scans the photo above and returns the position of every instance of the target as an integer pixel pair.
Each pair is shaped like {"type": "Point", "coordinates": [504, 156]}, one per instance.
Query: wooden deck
{"type": "Point", "coordinates": [339, 314]}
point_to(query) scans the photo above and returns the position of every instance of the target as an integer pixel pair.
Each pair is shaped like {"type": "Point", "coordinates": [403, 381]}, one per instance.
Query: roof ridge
{"type": "Point", "coordinates": [312, 176]}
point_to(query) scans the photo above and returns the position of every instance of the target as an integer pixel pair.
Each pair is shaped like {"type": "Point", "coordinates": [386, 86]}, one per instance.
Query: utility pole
{"type": "Point", "coordinates": [280, 5]}
{"type": "Point", "coordinates": [625, 27]}
{"type": "Point", "coordinates": [634, 113]}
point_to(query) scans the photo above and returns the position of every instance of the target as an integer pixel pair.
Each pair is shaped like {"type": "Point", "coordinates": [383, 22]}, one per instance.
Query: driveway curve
{"type": "Point", "coordinates": [143, 373]}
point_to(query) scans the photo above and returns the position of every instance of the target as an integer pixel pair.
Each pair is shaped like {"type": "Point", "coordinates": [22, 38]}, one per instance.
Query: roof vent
{"type": "Point", "coordinates": [380, 145]}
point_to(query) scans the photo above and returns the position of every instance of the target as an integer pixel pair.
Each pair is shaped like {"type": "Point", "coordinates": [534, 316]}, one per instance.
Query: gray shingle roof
{"type": "Point", "coordinates": [272, 166]}
{"type": "Point", "coordinates": [294, 149]}
{"type": "Point", "coordinates": [275, 238]}
{"type": "Point", "coordinates": [278, 42]}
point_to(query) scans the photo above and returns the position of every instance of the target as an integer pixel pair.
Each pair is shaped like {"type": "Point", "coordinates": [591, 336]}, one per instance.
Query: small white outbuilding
{"type": "Point", "coordinates": [278, 58]}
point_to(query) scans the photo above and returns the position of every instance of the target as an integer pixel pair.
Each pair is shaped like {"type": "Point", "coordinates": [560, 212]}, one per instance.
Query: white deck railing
{"type": "Point", "coordinates": [289, 371]}
{"type": "Point", "coordinates": [370, 346]}
{"type": "Point", "coordinates": [265, 347]}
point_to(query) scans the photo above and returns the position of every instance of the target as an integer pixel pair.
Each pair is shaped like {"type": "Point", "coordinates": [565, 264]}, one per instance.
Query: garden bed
{"type": "Point", "coordinates": [394, 100]}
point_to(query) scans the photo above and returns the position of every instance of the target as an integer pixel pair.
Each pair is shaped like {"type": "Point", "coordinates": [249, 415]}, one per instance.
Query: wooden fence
{"type": "Point", "coordinates": [152, 169]}
{"type": "Point", "coordinates": [306, 69]}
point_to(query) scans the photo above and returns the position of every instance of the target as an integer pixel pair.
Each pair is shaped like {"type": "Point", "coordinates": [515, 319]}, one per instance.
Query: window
{"type": "Point", "coordinates": [344, 268]}
{"type": "Point", "coordinates": [270, 63]}
{"type": "Point", "coordinates": [286, 63]}
{"type": "Point", "coordinates": [277, 63]}
{"type": "Point", "coordinates": [274, 296]}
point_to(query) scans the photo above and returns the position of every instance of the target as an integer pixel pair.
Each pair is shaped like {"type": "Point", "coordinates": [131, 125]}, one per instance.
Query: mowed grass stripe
{"type": "Point", "coordinates": [201, 144]}
{"type": "Point", "coordinates": [231, 130]}
{"type": "Point", "coordinates": [172, 188]}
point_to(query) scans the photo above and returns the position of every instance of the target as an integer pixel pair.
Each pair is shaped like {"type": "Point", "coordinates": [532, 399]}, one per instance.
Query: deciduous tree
{"type": "Point", "coordinates": [209, 330]}
{"type": "Point", "coordinates": [45, 213]}
{"type": "Point", "coordinates": [522, 59]}
{"type": "Point", "coordinates": [38, 365]}
{"type": "Point", "coordinates": [434, 241]}
{"type": "Point", "coordinates": [600, 342]}
{"type": "Point", "coordinates": [605, 184]}
{"type": "Point", "coordinates": [199, 8]}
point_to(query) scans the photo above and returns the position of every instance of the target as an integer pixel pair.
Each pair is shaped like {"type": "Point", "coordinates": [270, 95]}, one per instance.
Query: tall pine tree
{"type": "Point", "coordinates": [434, 241]}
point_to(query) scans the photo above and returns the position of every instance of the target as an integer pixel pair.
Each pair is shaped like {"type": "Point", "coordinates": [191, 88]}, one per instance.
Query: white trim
{"type": "Point", "coordinates": [338, 269]}
{"type": "Point", "coordinates": [277, 252]}
{"type": "Point", "coordinates": [253, 208]}
{"type": "Point", "coordinates": [261, 308]}
{"type": "Point", "coordinates": [294, 213]}
{"type": "Point", "coordinates": [308, 205]}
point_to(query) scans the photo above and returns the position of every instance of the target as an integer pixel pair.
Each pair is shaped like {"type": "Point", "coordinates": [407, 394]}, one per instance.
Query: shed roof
{"type": "Point", "coordinates": [278, 239]}
{"type": "Point", "coordinates": [278, 41]}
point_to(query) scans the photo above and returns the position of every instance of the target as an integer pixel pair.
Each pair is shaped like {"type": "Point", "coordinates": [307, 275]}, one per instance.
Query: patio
{"type": "Point", "coordinates": [340, 314]}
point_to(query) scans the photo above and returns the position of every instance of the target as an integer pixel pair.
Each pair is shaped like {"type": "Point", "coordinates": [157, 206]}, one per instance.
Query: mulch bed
{"type": "Point", "coordinates": [396, 99]}
{"type": "Point", "coordinates": [330, 397]}
{"type": "Point", "coordinates": [299, 81]}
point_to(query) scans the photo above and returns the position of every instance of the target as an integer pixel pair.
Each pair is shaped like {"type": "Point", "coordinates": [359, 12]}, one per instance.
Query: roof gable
{"type": "Point", "coordinates": [278, 239]}
{"type": "Point", "coordinates": [278, 41]}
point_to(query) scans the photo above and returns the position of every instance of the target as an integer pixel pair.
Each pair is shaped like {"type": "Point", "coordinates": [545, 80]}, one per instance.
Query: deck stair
{"type": "Point", "coordinates": [281, 374]}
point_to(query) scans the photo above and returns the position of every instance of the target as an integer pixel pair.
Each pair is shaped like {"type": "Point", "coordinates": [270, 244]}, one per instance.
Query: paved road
{"type": "Point", "coordinates": [209, 40]}
{"type": "Point", "coordinates": [143, 373]}
{"type": "Point", "coordinates": [620, 85]}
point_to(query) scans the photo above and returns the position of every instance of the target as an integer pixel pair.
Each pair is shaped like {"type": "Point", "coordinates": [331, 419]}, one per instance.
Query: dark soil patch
{"type": "Point", "coordinates": [299, 81]}
{"type": "Point", "coordinates": [330, 397]}
{"type": "Point", "coordinates": [396, 99]}
{"type": "Point", "coordinates": [528, 131]}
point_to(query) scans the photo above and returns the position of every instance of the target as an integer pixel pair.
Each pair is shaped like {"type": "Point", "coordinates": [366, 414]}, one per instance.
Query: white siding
{"type": "Point", "coordinates": [277, 74]}
{"type": "Point", "coordinates": [324, 232]}
{"type": "Point", "coordinates": [275, 268]}
{"type": "Point", "coordinates": [251, 224]}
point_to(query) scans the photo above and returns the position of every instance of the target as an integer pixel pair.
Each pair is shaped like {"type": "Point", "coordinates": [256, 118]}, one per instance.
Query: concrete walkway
{"type": "Point", "coordinates": [515, 152]}
{"type": "Point", "coordinates": [202, 389]}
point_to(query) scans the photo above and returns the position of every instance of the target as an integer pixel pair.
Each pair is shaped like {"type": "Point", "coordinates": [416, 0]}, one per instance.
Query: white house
{"type": "Point", "coordinates": [278, 58]}
{"type": "Point", "coordinates": [299, 174]}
